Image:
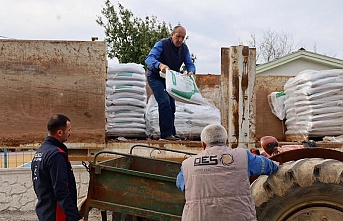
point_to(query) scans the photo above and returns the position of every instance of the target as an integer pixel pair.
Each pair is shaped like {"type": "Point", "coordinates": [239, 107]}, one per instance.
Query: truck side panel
{"type": "Point", "coordinates": [42, 78]}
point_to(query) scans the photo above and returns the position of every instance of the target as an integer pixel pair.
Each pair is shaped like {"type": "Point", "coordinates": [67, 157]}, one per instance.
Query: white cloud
{"type": "Point", "coordinates": [210, 24]}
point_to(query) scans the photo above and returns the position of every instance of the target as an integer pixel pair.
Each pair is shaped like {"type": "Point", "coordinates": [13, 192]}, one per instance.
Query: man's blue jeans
{"type": "Point", "coordinates": [166, 106]}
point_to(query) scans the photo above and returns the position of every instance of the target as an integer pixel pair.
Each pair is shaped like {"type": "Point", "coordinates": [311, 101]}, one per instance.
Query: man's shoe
{"type": "Point", "coordinates": [170, 138]}
{"type": "Point", "coordinates": [177, 136]}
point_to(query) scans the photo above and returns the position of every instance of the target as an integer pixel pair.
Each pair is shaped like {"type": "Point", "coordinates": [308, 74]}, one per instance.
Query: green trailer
{"type": "Point", "coordinates": [145, 187]}
{"type": "Point", "coordinates": [135, 186]}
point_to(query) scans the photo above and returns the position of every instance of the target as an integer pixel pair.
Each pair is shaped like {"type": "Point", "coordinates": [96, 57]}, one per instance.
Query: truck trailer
{"type": "Point", "coordinates": [42, 78]}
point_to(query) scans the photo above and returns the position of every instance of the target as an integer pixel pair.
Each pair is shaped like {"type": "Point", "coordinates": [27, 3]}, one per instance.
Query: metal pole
{"type": "Point", "coordinates": [238, 69]}
{"type": "Point", "coordinates": [5, 158]}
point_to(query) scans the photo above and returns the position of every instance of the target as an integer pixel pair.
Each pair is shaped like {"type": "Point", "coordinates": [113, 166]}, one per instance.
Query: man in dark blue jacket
{"type": "Point", "coordinates": [52, 175]}
{"type": "Point", "coordinates": [168, 53]}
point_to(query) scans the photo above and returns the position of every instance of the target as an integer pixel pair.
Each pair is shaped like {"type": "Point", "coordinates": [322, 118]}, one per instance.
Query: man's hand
{"type": "Point", "coordinates": [163, 67]}
{"type": "Point", "coordinates": [191, 74]}
{"type": "Point", "coordinates": [277, 163]}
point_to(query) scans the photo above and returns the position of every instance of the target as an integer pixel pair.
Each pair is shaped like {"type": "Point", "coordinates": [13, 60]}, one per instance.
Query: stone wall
{"type": "Point", "coordinates": [16, 191]}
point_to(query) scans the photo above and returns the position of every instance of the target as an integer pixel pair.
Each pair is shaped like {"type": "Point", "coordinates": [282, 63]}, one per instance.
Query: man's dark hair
{"type": "Point", "coordinates": [57, 122]}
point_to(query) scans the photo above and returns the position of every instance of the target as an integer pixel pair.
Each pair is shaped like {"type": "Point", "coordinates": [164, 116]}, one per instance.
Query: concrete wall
{"type": "Point", "coordinates": [16, 191]}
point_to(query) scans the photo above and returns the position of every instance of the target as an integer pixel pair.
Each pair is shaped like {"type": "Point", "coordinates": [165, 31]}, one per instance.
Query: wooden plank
{"type": "Point", "coordinates": [225, 87]}
{"type": "Point", "coordinates": [42, 78]}
{"type": "Point", "coordinates": [296, 138]}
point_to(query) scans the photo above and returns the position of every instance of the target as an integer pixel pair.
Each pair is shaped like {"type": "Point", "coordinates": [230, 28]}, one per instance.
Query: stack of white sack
{"type": "Point", "coordinates": [190, 119]}
{"type": "Point", "coordinates": [314, 103]}
{"type": "Point", "coordinates": [126, 100]}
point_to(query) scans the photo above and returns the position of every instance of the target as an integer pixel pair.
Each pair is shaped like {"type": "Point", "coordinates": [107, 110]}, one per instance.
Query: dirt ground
{"type": "Point", "coordinates": [94, 215]}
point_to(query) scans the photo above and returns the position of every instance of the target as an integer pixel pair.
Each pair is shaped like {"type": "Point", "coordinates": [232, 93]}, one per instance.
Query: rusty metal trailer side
{"type": "Point", "coordinates": [135, 185]}
{"type": "Point", "coordinates": [40, 78]}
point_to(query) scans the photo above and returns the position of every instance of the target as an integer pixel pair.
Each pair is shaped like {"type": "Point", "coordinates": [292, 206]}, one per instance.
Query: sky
{"type": "Point", "coordinates": [315, 25]}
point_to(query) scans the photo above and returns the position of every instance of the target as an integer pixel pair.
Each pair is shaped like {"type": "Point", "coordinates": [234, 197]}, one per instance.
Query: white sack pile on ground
{"type": "Point", "coordinates": [314, 103]}
{"type": "Point", "coordinates": [126, 100]}
{"type": "Point", "coordinates": [190, 119]}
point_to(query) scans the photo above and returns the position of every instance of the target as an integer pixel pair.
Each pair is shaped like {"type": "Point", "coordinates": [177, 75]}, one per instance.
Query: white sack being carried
{"type": "Point", "coordinates": [183, 88]}
{"type": "Point", "coordinates": [190, 119]}
{"type": "Point", "coordinates": [126, 100]}
{"type": "Point", "coordinates": [314, 104]}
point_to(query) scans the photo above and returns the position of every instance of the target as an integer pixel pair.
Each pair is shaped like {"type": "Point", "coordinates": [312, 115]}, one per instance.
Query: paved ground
{"type": "Point", "coordinates": [94, 215]}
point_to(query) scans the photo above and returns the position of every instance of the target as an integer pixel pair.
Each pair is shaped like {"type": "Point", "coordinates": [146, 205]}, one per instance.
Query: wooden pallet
{"type": "Point", "coordinates": [296, 137]}
{"type": "Point", "coordinates": [302, 137]}
{"type": "Point", "coordinates": [115, 135]}
{"type": "Point", "coordinates": [183, 137]}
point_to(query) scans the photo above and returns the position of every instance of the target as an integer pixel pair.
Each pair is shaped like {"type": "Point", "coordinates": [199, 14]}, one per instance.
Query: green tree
{"type": "Point", "coordinates": [130, 38]}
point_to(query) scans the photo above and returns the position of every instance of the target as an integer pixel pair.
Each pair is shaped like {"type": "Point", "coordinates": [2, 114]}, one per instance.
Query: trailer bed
{"type": "Point", "coordinates": [136, 186]}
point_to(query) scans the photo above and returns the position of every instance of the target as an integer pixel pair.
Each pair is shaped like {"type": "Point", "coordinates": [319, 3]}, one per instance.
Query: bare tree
{"type": "Point", "coordinates": [272, 45]}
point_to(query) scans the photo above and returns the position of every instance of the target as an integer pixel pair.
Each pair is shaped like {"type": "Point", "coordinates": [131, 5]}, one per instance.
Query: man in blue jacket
{"type": "Point", "coordinates": [168, 53]}
{"type": "Point", "coordinates": [52, 175]}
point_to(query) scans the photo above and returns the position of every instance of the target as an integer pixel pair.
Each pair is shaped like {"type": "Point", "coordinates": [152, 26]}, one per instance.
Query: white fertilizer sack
{"type": "Point", "coordinates": [131, 76]}
{"type": "Point", "coordinates": [128, 67]}
{"type": "Point", "coordinates": [126, 88]}
{"type": "Point", "coordinates": [276, 103]}
{"type": "Point", "coordinates": [183, 88]}
{"type": "Point", "coordinates": [116, 83]}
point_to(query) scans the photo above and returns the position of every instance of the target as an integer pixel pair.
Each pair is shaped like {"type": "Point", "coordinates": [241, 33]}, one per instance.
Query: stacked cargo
{"type": "Point", "coordinates": [314, 103]}
{"type": "Point", "coordinates": [190, 119]}
{"type": "Point", "coordinates": [126, 100]}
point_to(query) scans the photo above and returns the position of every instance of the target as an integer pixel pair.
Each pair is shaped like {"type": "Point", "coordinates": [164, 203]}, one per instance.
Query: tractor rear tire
{"type": "Point", "coordinates": [307, 190]}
